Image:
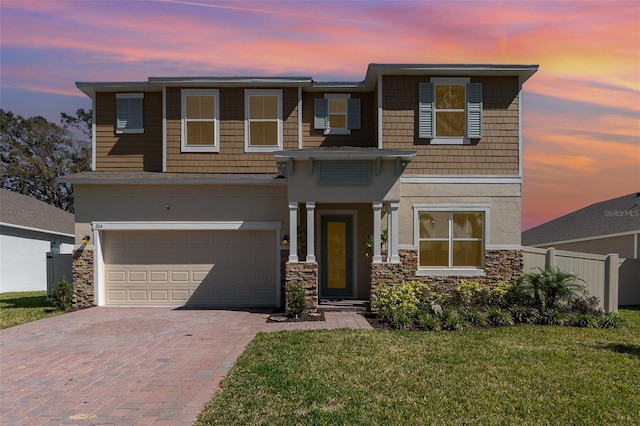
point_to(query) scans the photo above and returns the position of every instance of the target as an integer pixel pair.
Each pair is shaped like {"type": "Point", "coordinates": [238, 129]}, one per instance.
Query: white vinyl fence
{"type": "Point", "coordinates": [600, 273]}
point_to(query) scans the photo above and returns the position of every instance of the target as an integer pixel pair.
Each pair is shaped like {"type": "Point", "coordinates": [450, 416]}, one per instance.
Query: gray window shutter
{"type": "Point", "coordinates": [426, 122]}
{"type": "Point", "coordinates": [122, 113]}
{"type": "Point", "coordinates": [321, 114]}
{"type": "Point", "coordinates": [474, 110]}
{"type": "Point", "coordinates": [353, 113]}
{"type": "Point", "coordinates": [135, 116]}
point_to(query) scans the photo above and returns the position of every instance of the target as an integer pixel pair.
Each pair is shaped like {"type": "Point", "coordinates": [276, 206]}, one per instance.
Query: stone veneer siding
{"type": "Point", "coordinates": [500, 265]}
{"type": "Point", "coordinates": [305, 273]}
{"type": "Point", "coordinates": [82, 271]}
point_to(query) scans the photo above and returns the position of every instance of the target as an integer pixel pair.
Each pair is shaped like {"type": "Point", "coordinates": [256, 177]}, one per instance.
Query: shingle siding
{"type": "Point", "coordinates": [365, 136]}
{"type": "Point", "coordinates": [496, 153]}
{"type": "Point", "coordinates": [128, 151]}
{"type": "Point", "coordinates": [231, 158]}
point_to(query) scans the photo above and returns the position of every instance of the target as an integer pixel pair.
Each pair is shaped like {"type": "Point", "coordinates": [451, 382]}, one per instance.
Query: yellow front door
{"type": "Point", "coordinates": [336, 271]}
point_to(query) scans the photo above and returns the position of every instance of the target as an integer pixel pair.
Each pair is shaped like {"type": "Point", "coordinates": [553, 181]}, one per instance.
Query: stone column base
{"type": "Point", "coordinates": [83, 273]}
{"type": "Point", "coordinates": [305, 273]}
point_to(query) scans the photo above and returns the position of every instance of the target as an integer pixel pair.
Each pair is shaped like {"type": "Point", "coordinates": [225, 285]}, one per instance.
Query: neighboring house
{"type": "Point", "coordinates": [215, 191]}
{"type": "Point", "coordinates": [611, 226]}
{"type": "Point", "coordinates": [30, 228]}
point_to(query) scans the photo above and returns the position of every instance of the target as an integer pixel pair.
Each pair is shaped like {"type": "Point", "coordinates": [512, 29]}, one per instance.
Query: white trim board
{"type": "Point", "coordinates": [460, 179]}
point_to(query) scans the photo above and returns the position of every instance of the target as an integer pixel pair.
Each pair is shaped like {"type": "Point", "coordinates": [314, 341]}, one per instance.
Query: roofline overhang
{"type": "Point", "coordinates": [204, 179]}
{"type": "Point", "coordinates": [374, 71]}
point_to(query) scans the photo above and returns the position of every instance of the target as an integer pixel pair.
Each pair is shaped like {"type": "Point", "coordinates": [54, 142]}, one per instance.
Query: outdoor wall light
{"type": "Point", "coordinates": [85, 239]}
{"type": "Point", "coordinates": [285, 240]}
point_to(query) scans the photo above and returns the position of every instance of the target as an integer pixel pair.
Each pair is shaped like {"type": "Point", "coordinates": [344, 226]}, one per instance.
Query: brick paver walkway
{"type": "Point", "coordinates": [127, 366]}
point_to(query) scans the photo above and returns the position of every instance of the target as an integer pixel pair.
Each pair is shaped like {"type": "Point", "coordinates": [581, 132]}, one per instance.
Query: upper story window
{"type": "Point", "coordinates": [337, 114]}
{"type": "Point", "coordinates": [450, 110]}
{"type": "Point", "coordinates": [129, 112]}
{"type": "Point", "coordinates": [450, 239]}
{"type": "Point", "coordinates": [263, 120]}
{"type": "Point", "coordinates": [200, 120]}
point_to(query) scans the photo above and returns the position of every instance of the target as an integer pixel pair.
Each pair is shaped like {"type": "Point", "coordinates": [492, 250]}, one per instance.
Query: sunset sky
{"type": "Point", "coordinates": [581, 110]}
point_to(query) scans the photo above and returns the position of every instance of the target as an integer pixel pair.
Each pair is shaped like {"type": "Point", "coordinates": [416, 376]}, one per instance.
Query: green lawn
{"type": "Point", "coordinates": [22, 307]}
{"type": "Point", "coordinates": [511, 375]}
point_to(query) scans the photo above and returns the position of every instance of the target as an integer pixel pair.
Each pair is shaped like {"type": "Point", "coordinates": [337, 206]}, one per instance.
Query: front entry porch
{"type": "Point", "coordinates": [332, 255]}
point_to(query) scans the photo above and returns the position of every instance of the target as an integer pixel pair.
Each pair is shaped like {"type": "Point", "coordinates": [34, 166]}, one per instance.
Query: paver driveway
{"type": "Point", "coordinates": [126, 365]}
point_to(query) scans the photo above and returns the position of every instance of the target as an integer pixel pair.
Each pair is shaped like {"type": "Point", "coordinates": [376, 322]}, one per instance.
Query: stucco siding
{"type": "Point", "coordinates": [496, 153]}
{"type": "Point", "coordinates": [231, 157]}
{"type": "Point", "coordinates": [128, 151]}
{"type": "Point", "coordinates": [504, 202]}
{"type": "Point", "coordinates": [146, 203]}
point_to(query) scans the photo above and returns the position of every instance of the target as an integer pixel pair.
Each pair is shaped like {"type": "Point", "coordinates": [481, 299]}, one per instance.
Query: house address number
{"type": "Point", "coordinates": [97, 226]}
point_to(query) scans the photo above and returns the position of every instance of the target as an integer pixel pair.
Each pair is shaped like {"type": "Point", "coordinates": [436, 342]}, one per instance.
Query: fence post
{"type": "Point", "coordinates": [550, 258]}
{"type": "Point", "coordinates": [611, 283]}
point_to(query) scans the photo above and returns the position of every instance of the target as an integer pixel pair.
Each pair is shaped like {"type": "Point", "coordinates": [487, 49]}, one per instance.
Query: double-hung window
{"type": "Point", "coordinates": [450, 239]}
{"type": "Point", "coordinates": [450, 110]}
{"type": "Point", "coordinates": [336, 114]}
{"type": "Point", "coordinates": [200, 120]}
{"type": "Point", "coordinates": [129, 112]}
{"type": "Point", "coordinates": [263, 120]}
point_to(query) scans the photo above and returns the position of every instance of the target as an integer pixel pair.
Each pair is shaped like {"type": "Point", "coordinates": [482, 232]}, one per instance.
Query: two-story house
{"type": "Point", "coordinates": [215, 191]}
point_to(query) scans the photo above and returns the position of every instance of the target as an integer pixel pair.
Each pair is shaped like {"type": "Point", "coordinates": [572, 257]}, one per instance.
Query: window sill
{"type": "Point", "coordinates": [450, 141]}
{"type": "Point", "coordinates": [123, 131]}
{"type": "Point", "coordinates": [262, 148]}
{"type": "Point", "coordinates": [199, 149]}
{"type": "Point", "coordinates": [331, 131]}
{"type": "Point", "coordinates": [451, 272]}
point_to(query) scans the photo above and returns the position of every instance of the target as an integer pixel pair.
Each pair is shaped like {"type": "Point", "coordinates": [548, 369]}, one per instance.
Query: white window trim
{"type": "Point", "coordinates": [129, 96]}
{"type": "Point", "coordinates": [216, 123]}
{"type": "Point", "coordinates": [452, 140]}
{"type": "Point", "coordinates": [259, 92]}
{"type": "Point", "coordinates": [338, 130]}
{"type": "Point", "coordinates": [427, 271]}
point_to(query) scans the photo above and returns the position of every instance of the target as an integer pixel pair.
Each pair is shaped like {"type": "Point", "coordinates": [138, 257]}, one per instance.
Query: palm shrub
{"type": "Point", "coordinates": [550, 286]}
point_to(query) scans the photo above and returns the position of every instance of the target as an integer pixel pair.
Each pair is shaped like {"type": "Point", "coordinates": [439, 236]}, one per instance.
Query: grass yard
{"type": "Point", "coordinates": [510, 375]}
{"type": "Point", "coordinates": [22, 307]}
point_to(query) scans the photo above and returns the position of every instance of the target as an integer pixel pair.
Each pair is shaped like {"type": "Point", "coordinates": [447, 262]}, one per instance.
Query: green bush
{"type": "Point", "coordinates": [474, 317]}
{"type": "Point", "coordinates": [524, 314]}
{"type": "Point", "coordinates": [613, 320]}
{"type": "Point", "coordinates": [296, 302]}
{"type": "Point", "coordinates": [451, 320]}
{"type": "Point", "coordinates": [584, 320]}
{"type": "Point", "coordinates": [550, 286]}
{"type": "Point", "coordinates": [426, 321]}
{"type": "Point", "coordinates": [499, 317]}
{"type": "Point", "coordinates": [62, 297]}
{"type": "Point", "coordinates": [552, 316]}
{"type": "Point", "coordinates": [398, 305]}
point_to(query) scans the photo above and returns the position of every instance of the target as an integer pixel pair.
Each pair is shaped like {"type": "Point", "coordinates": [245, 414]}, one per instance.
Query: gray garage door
{"type": "Point", "coordinates": [192, 268]}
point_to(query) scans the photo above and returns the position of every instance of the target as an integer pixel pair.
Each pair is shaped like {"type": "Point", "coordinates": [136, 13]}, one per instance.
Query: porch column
{"type": "Point", "coordinates": [311, 230]}
{"type": "Point", "coordinates": [392, 235]}
{"type": "Point", "coordinates": [377, 229]}
{"type": "Point", "coordinates": [293, 231]}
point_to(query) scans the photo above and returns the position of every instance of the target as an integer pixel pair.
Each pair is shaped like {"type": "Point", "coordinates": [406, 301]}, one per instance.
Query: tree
{"type": "Point", "coordinates": [35, 152]}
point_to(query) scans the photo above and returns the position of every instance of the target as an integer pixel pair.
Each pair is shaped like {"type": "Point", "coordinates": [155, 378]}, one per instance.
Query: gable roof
{"type": "Point", "coordinates": [615, 216]}
{"type": "Point", "coordinates": [26, 212]}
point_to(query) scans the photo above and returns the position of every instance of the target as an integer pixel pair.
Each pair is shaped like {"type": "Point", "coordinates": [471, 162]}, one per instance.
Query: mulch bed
{"type": "Point", "coordinates": [375, 322]}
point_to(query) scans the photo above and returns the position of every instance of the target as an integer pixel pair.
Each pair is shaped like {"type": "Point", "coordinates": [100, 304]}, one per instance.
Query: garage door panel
{"type": "Point", "coordinates": [197, 268]}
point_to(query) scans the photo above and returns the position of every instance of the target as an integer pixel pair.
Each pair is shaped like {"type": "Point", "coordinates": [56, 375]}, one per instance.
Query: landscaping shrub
{"type": "Point", "coordinates": [550, 286]}
{"type": "Point", "coordinates": [552, 316]}
{"type": "Point", "coordinates": [524, 314]}
{"type": "Point", "coordinates": [296, 303]}
{"type": "Point", "coordinates": [586, 305]}
{"type": "Point", "coordinates": [451, 320]}
{"type": "Point", "coordinates": [474, 317]}
{"type": "Point", "coordinates": [499, 317]}
{"type": "Point", "coordinates": [613, 320]}
{"type": "Point", "coordinates": [583, 320]}
{"type": "Point", "coordinates": [426, 321]}
{"type": "Point", "coordinates": [62, 297]}
{"type": "Point", "coordinates": [398, 305]}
